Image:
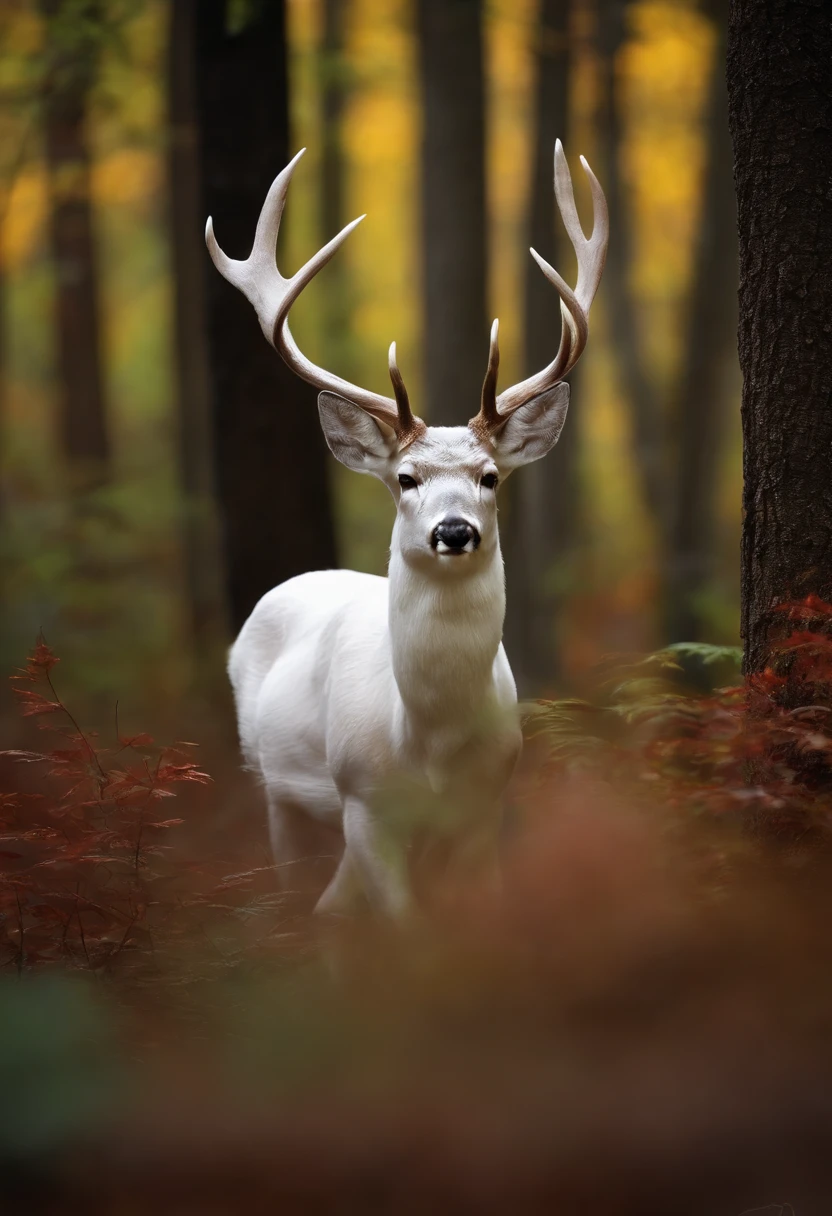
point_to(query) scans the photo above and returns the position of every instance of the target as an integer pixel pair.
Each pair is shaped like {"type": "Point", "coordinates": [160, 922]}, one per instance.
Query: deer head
{"type": "Point", "coordinates": [443, 479]}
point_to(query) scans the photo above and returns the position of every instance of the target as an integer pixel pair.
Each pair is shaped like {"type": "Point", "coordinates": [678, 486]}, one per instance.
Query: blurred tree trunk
{"type": "Point", "coordinates": [71, 55]}
{"type": "Point", "coordinates": [336, 304]}
{"type": "Point", "coordinates": [700, 398]}
{"type": "Point", "coordinates": [5, 201]}
{"type": "Point", "coordinates": [779, 91]}
{"type": "Point", "coordinates": [543, 498]}
{"type": "Point", "coordinates": [453, 208]}
{"type": "Point", "coordinates": [628, 346]}
{"type": "Point", "coordinates": [272, 475]}
{"type": "Point", "coordinates": [200, 537]}
{"type": "Point", "coordinates": [4, 374]}
{"type": "Point", "coordinates": [10, 176]}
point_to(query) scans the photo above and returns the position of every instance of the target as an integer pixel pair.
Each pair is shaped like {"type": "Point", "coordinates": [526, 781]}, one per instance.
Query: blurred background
{"type": "Point", "coordinates": [642, 1026]}
{"type": "Point", "coordinates": [161, 470]}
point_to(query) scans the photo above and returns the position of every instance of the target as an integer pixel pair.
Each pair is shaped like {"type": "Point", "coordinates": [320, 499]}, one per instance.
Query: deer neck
{"type": "Point", "coordinates": [445, 633]}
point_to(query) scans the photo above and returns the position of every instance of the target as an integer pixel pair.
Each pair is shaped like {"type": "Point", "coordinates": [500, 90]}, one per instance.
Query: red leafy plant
{"type": "Point", "coordinates": [758, 753]}
{"type": "Point", "coordinates": [88, 878]}
{"type": "Point", "coordinates": [82, 862]}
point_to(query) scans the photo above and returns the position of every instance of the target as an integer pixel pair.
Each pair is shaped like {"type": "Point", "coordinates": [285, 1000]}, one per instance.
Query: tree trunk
{"type": "Point", "coordinates": [194, 403]}
{"type": "Point", "coordinates": [272, 475]}
{"type": "Point", "coordinates": [543, 507]}
{"type": "Point", "coordinates": [71, 57]}
{"type": "Point", "coordinates": [453, 208]}
{"type": "Point", "coordinates": [700, 398]}
{"type": "Point", "coordinates": [780, 107]}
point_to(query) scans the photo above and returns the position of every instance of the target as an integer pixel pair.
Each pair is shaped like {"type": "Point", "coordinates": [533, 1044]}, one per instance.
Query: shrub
{"type": "Point", "coordinates": [758, 751]}
{"type": "Point", "coordinates": [83, 879]}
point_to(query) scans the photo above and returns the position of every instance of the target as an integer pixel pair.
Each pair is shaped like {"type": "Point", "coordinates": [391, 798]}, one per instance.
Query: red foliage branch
{"type": "Point", "coordinates": [81, 863]}
{"type": "Point", "coordinates": [760, 751]}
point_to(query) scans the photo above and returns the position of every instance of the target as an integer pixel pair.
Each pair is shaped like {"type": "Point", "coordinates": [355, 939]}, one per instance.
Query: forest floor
{"type": "Point", "coordinates": [642, 1023]}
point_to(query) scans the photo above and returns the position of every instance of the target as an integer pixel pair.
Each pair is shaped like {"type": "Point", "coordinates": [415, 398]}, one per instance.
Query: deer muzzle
{"type": "Point", "coordinates": [455, 536]}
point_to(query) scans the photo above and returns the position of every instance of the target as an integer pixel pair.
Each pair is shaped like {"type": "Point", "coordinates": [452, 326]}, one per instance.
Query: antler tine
{"type": "Point", "coordinates": [574, 304]}
{"type": "Point", "coordinates": [591, 252]}
{"type": "Point", "coordinates": [574, 323]}
{"type": "Point", "coordinates": [591, 266]}
{"type": "Point", "coordinates": [488, 419]}
{"type": "Point", "coordinates": [409, 426]}
{"type": "Point", "coordinates": [573, 332]}
{"type": "Point", "coordinates": [272, 296]}
{"type": "Point", "coordinates": [257, 277]}
{"type": "Point", "coordinates": [303, 277]}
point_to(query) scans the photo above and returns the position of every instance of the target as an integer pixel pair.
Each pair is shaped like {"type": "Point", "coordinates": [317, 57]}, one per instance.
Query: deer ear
{"type": "Point", "coordinates": [533, 430]}
{"type": "Point", "coordinates": [355, 438]}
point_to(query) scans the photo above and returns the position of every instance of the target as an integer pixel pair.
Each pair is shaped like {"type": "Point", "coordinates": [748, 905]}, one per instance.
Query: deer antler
{"type": "Point", "coordinates": [260, 281]}
{"type": "Point", "coordinates": [574, 305]}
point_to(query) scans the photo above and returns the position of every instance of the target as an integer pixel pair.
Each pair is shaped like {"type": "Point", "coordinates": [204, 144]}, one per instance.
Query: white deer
{"type": "Point", "coordinates": [347, 684]}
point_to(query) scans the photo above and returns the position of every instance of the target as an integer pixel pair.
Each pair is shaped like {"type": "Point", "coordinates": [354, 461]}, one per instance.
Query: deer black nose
{"type": "Point", "coordinates": [455, 534]}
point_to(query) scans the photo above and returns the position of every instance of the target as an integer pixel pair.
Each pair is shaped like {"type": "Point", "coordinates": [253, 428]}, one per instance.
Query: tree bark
{"type": "Point", "coordinates": [780, 106]}
{"type": "Point", "coordinates": [71, 59]}
{"type": "Point", "coordinates": [453, 208]}
{"type": "Point", "coordinates": [194, 415]}
{"type": "Point", "coordinates": [272, 475]}
{"type": "Point", "coordinates": [700, 399]}
{"type": "Point", "coordinates": [543, 500]}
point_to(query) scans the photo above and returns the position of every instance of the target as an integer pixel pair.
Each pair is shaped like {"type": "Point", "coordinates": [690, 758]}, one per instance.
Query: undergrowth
{"type": "Point", "coordinates": [641, 1023]}
{"type": "Point", "coordinates": [89, 878]}
{"type": "Point", "coordinates": [757, 752]}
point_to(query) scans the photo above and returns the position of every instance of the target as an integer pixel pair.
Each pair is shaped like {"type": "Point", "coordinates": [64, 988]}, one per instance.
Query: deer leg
{"type": "Point", "coordinates": [381, 861]}
{"type": "Point", "coordinates": [305, 851]}
{"type": "Point", "coordinates": [345, 894]}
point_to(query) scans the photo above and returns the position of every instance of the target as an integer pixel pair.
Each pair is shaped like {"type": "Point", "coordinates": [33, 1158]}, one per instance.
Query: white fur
{"type": "Point", "coordinates": [351, 688]}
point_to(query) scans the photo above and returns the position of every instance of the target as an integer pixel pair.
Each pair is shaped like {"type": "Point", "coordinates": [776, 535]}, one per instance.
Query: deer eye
{"type": "Point", "coordinates": [407, 482]}
{"type": "Point", "coordinates": [489, 481]}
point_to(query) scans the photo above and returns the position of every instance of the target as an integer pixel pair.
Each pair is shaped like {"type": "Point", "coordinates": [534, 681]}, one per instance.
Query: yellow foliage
{"type": "Point", "coordinates": [665, 69]}
{"type": "Point", "coordinates": [381, 145]}
{"type": "Point", "coordinates": [130, 106]}
{"type": "Point", "coordinates": [509, 32]}
{"type": "Point", "coordinates": [126, 177]}
{"type": "Point", "coordinates": [22, 37]}
{"type": "Point", "coordinates": [25, 217]}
